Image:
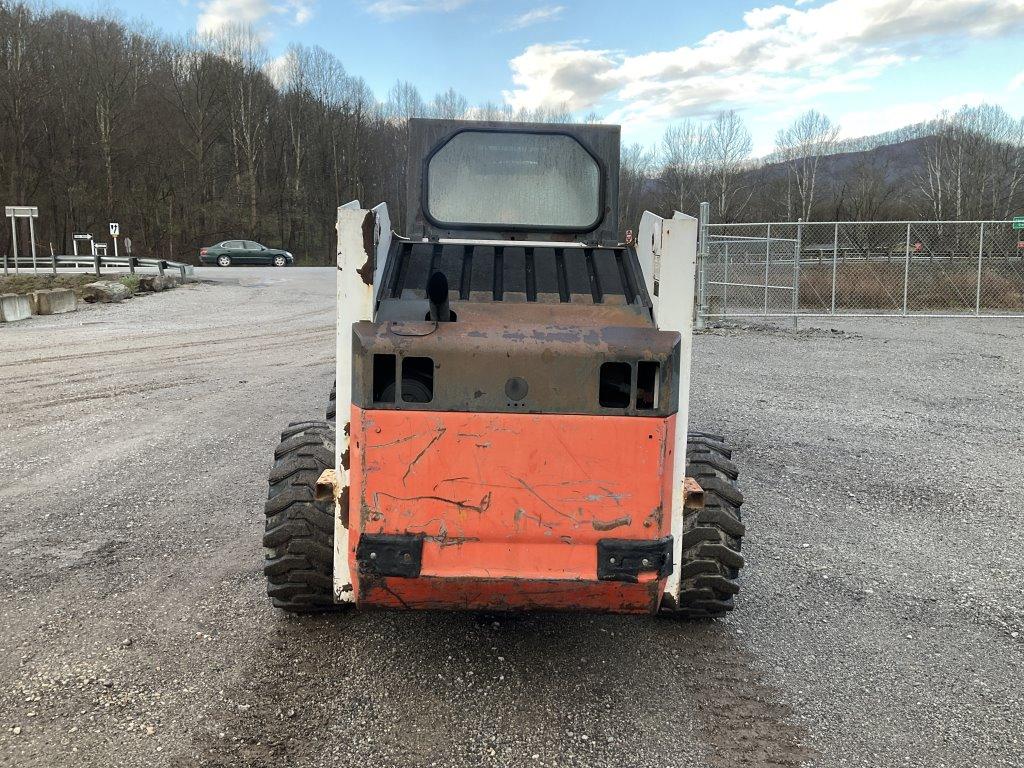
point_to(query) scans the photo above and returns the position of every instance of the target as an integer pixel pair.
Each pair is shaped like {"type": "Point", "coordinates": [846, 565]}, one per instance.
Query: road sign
{"type": "Point", "coordinates": [115, 229]}
{"type": "Point", "coordinates": [22, 211]}
{"type": "Point", "coordinates": [1018, 222]}
{"type": "Point", "coordinates": [128, 244]}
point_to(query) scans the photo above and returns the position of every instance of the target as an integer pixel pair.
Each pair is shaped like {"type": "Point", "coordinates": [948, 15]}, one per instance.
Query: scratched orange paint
{"type": "Point", "coordinates": [512, 505]}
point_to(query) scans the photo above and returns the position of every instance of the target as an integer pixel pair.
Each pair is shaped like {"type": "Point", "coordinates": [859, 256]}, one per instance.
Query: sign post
{"type": "Point", "coordinates": [15, 212]}
{"type": "Point", "coordinates": [115, 230]}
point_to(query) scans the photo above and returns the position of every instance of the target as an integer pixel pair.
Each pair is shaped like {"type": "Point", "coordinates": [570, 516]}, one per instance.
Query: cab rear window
{"type": "Point", "coordinates": [513, 179]}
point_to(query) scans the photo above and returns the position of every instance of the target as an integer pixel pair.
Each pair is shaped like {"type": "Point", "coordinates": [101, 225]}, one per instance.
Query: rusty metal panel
{"type": "Point", "coordinates": [474, 364]}
{"type": "Point", "coordinates": [510, 503]}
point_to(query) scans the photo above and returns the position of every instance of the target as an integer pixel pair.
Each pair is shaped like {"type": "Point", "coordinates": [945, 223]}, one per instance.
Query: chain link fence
{"type": "Point", "coordinates": [920, 268]}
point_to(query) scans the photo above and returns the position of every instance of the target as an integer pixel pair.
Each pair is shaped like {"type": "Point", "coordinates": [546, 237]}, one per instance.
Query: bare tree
{"type": "Point", "coordinates": [247, 101]}
{"type": "Point", "coordinates": [635, 167]}
{"type": "Point", "coordinates": [728, 146]}
{"type": "Point", "coordinates": [449, 105]}
{"type": "Point", "coordinates": [685, 159]}
{"type": "Point", "coordinates": [801, 147]}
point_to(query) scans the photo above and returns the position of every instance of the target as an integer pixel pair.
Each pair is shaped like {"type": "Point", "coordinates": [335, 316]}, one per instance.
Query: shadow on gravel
{"type": "Point", "coordinates": [454, 689]}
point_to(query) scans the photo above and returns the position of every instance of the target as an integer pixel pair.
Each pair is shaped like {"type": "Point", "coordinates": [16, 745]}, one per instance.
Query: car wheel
{"type": "Point", "coordinates": [223, 260]}
{"type": "Point", "coordinates": [280, 261]}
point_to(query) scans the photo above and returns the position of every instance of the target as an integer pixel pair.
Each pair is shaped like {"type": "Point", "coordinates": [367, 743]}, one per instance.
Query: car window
{"type": "Point", "coordinates": [250, 245]}
{"type": "Point", "coordinates": [235, 244]}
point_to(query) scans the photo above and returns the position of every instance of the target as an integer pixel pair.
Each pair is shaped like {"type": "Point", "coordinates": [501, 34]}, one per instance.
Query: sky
{"type": "Point", "coordinates": [870, 65]}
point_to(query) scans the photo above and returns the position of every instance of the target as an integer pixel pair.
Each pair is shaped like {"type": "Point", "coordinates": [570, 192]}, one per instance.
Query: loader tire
{"type": "Point", "coordinates": [299, 538]}
{"type": "Point", "coordinates": [332, 402]}
{"type": "Point", "coordinates": [712, 536]}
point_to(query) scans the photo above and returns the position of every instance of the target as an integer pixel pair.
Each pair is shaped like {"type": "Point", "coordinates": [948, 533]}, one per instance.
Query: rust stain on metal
{"type": "Point", "coordinates": [450, 480]}
{"type": "Point", "coordinates": [544, 501]}
{"type": "Point", "coordinates": [482, 507]}
{"type": "Point", "coordinates": [427, 447]}
{"type": "Point", "coordinates": [693, 494]}
{"type": "Point", "coordinates": [654, 519]}
{"type": "Point", "coordinates": [521, 514]}
{"type": "Point", "coordinates": [343, 506]}
{"type": "Point", "coordinates": [345, 459]}
{"type": "Point", "coordinates": [366, 271]}
{"type": "Point", "coordinates": [602, 525]}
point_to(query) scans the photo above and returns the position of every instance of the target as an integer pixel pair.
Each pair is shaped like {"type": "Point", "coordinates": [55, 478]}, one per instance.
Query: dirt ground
{"type": "Point", "coordinates": [881, 620]}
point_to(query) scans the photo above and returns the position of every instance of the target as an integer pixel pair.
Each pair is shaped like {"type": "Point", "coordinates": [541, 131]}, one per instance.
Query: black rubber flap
{"type": "Point", "coordinates": [383, 554]}
{"type": "Point", "coordinates": [626, 559]}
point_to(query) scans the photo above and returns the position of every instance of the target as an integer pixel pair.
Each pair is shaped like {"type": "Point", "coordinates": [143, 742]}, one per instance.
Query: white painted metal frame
{"type": "Point", "coordinates": [667, 251]}
{"type": "Point", "coordinates": [355, 302]}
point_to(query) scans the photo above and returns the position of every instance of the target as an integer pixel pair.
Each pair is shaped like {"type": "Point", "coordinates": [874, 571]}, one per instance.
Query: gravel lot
{"type": "Point", "coordinates": [881, 622]}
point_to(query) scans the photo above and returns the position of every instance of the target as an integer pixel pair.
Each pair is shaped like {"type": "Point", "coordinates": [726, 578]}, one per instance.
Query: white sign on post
{"type": "Point", "coordinates": [115, 229]}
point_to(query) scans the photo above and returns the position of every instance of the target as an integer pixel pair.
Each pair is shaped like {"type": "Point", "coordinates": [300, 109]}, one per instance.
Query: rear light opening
{"type": "Point", "coordinates": [617, 388]}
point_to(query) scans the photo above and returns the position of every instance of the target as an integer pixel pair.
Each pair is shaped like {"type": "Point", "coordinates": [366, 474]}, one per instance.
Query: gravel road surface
{"type": "Point", "coordinates": [881, 621]}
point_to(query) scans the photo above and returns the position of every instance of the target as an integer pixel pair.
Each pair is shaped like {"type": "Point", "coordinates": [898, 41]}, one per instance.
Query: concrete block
{"type": "Point", "coordinates": [14, 306]}
{"type": "Point", "coordinates": [105, 291]}
{"type": "Point", "coordinates": [54, 301]}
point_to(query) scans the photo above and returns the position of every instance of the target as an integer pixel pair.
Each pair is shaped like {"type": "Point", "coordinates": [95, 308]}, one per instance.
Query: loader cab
{"type": "Point", "coordinates": [521, 222]}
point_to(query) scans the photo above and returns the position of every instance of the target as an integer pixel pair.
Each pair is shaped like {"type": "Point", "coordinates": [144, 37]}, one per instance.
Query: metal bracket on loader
{"type": "Point", "coordinates": [693, 494]}
{"type": "Point", "coordinates": [383, 554]}
{"type": "Point", "coordinates": [326, 486]}
{"type": "Point", "coordinates": [626, 559]}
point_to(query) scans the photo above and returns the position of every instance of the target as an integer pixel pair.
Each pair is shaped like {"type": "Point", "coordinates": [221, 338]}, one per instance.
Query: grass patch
{"type": "Point", "coordinates": [131, 282]}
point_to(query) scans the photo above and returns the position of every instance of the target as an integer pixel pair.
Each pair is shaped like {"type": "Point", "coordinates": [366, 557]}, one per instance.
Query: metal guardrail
{"type": "Point", "coordinates": [95, 263]}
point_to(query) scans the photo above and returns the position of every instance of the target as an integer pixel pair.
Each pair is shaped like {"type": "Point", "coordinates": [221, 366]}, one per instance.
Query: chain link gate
{"type": "Point", "coordinates": [863, 269]}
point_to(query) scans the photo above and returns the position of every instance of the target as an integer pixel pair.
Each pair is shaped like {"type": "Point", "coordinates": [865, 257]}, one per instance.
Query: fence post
{"type": "Point", "coordinates": [32, 240]}
{"type": "Point", "coordinates": [796, 273]}
{"type": "Point", "coordinates": [53, 259]}
{"type": "Point", "coordinates": [725, 282]}
{"type": "Point", "coordinates": [906, 271]}
{"type": "Point", "coordinates": [977, 290]}
{"type": "Point", "coordinates": [835, 258]}
{"type": "Point", "coordinates": [702, 264]}
{"type": "Point", "coordinates": [14, 243]}
{"type": "Point", "coordinates": [96, 262]}
{"type": "Point", "coordinates": [767, 258]}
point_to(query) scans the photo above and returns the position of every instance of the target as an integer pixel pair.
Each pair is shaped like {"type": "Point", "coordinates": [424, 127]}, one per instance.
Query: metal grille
{"type": "Point", "coordinates": [919, 268]}
{"type": "Point", "coordinates": [483, 272]}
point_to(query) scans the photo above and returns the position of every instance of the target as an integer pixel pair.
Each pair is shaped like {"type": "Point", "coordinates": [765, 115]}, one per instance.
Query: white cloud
{"type": "Point", "coordinates": [536, 16]}
{"type": "Point", "coordinates": [561, 75]}
{"type": "Point", "coordinates": [1017, 82]}
{"type": "Point", "coordinates": [217, 14]}
{"type": "Point", "coordinates": [391, 9]}
{"type": "Point", "coordinates": [782, 55]}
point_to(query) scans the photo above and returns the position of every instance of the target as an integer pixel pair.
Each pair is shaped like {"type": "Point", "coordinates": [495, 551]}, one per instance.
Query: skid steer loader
{"type": "Point", "coordinates": [510, 401]}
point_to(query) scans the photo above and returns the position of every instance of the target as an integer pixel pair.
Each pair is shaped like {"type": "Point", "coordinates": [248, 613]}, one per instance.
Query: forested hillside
{"type": "Point", "coordinates": [186, 142]}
